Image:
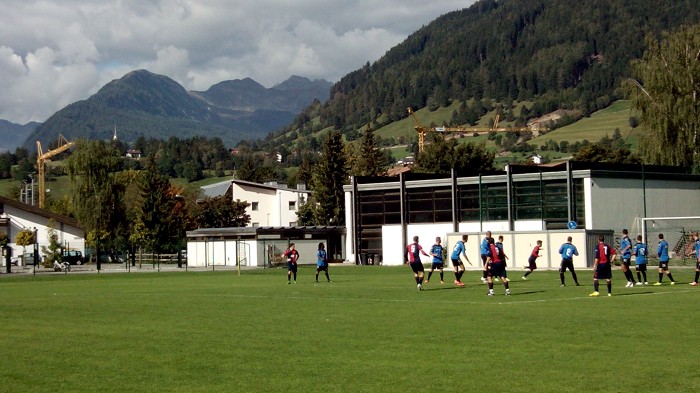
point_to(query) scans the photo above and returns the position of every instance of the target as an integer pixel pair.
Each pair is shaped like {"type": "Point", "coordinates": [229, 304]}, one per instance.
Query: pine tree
{"type": "Point", "coordinates": [327, 182]}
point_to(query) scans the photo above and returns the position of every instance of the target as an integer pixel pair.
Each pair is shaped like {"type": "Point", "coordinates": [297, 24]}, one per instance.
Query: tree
{"type": "Point", "coordinates": [666, 92]}
{"type": "Point", "coordinates": [155, 207]}
{"type": "Point", "coordinates": [442, 155]}
{"type": "Point", "coordinates": [368, 159]}
{"type": "Point", "coordinates": [599, 152]}
{"type": "Point", "coordinates": [327, 181]}
{"type": "Point", "coordinates": [221, 212]}
{"type": "Point", "coordinates": [97, 195]}
{"type": "Point", "coordinates": [4, 239]}
{"type": "Point", "coordinates": [53, 252]}
{"type": "Point", "coordinates": [24, 238]}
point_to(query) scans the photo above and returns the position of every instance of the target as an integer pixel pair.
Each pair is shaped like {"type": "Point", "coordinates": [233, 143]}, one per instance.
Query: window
{"type": "Point", "coordinates": [292, 205]}
{"type": "Point", "coordinates": [256, 224]}
{"type": "Point", "coordinates": [254, 206]}
{"type": "Point", "coordinates": [293, 224]}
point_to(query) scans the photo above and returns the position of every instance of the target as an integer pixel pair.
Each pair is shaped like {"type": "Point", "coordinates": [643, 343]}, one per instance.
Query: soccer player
{"type": "Point", "coordinates": [567, 251]}
{"type": "Point", "coordinates": [626, 252]}
{"type": "Point", "coordinates": [322, 261]}
{"type": "Point", "coordinates": [532, 259]}
{"type": "Point", "coordinates": [502, 254]}
{"type": "Point", "coordinates": [604, 255]}
{"type": "Point", "coordinates": [436, 251]}
{"type": "Point", "coordinates": [696, 240]}
{"type": "Point", "coordinates": [495, 267]}
{"type": "Point", "coordinates": [662, 252]}
{"type": "Point", "coordinates": [485, 254]}
{"type": "Point", "coordinates": [292, 256]}
{"type": "Point", "coordinates": [640, 260]}
{"type": "Point", "coordinates": [414, 250]}
{"type": "Point", "coordinates": [459, 249]}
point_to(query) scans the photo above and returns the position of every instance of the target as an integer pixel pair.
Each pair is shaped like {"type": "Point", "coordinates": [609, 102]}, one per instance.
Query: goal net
{"type": "Point", "coordinates": [676, 230]}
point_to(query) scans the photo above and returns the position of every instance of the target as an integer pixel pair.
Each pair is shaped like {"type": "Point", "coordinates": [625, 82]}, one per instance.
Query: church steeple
{"type": "Point", "coordinates": [114, 138]}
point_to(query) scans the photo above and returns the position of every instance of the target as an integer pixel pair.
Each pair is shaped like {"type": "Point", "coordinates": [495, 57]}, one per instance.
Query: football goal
{"type": "Point", "coordinates": [676, 230]}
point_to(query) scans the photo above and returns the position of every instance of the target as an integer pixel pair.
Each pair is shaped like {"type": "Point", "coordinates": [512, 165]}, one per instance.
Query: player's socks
{"type": "Point", "coordinates": [697, 275]}
{"type": "Point", "coordinates": [441, 276]}
{"type": "Point", "coordinates": [575, 278]}
{"type": "Point", "coordinates": [430, 273]}
{"type": "Point", "coordinates": [484, 274]}
{"type": "Point", "coordinates": [416, 278]}
{"type": "Point", "coordinates": [645, 276]}
{"type": "Point", "coordinates": [327, 276]}
{"type": "Point", "coordinates": [595, 286]}
{"type": "Point", "coordinates": [670, 277]}
{"type": "Point", "coordinates": [505, 283]}
{"type": "Point", "coordinates": [491, 286]}
{"type": "Point", "coordinates": [527, 273]}
{"type": "Point", "coordinates": [561, 278]}
{"type": "Point", "coordinates": [459, 275]}
{"type": "Point", "coordinates": [661, 277]}
{"type": "Point", "coordinates": [639, 277]}
{"type": "Point", "coordinates": [316, 276]}
{"type": "Point", "coordinates": [609, 287]}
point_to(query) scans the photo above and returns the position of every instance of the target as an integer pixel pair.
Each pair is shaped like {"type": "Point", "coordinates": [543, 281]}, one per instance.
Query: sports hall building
{"type": "Point", "coordinates": [523, 203]}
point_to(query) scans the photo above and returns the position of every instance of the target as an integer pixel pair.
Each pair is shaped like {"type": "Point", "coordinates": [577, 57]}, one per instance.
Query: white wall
{"type": "Point", "coordinates": [273, 204]}
{"type": "Point", "coordinates": [222, 253]}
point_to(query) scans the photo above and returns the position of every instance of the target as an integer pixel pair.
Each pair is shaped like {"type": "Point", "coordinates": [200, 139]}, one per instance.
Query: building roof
{"type": "Point", "coordinates": [221, 188]}
{"type": "Point", "coordinates": [40, 212]}
{"type": "Point", "coordinates": [291, 232]}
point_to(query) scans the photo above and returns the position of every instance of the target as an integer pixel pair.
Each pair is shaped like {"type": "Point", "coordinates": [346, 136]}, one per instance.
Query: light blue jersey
{"type": "Point", "coordinates": [437, 250]}
{"type": "Point", "coordinates": [567, 251]}
{"type": "Point", "coordinates": [640, 254]}
{"type": "Point", "coordinates": [459, 249]}
{"type": "Point", "coordinates": [626, 247]}
{"type": "Point", "coordinates": [662, 251]}
{"type": "Point", "coordinates": [697, 249]}
{"type": "Point", "coordinates": [321, 258]}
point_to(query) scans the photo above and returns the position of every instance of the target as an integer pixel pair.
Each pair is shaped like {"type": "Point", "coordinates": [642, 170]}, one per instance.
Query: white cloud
{"type": "Point", "coordinates": [55, 52]}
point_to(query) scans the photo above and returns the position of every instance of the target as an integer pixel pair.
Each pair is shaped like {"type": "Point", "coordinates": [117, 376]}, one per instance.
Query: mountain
{"type": "Point", "coordinates": [143, 103]}
{"type": "Point", "coordinates": [555, 54]}
{"type": "Point", "coordinates": [12, 135]}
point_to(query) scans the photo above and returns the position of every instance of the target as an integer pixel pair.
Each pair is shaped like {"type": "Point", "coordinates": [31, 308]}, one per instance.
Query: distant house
{"type": "Point", "coordinates": [271, 204]}
{"type": "Point", "coordinates": [135, 154]}
{"type": "Point", "coordinates": [234, 151]}
{"type": "Point", "coordinates": [536, 158]}
{"type": "Point", "coordinates": [16, 216]}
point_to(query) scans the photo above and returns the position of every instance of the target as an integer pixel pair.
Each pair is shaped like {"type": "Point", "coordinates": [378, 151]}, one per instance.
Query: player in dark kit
{"type": "Point", "coordinates": [567, 251]}
{"type": "Point", "coordinates": [604, 255]}
{"type": "Point", "coordinates": [436, 251]}
{"type": "Point", "coordinates": [495, 267]}
{"type": "Point", "coordinates": [322, 261]}
{"type": "Point", "coordinates": [662, 252]}
{"type": "Point", "coordinates": [413, 251]}
{"type": "Point", "coordinates": [626, 252]}
{"type": "Point", "coordinates": [532, 260]}
{"type": "Point", "coordinates": [696, 241]}
{"type": "Point", "coordinates": [292, 256]}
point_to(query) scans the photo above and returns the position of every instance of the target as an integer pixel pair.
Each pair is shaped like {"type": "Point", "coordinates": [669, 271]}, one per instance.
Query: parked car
{"type": "Point", "coordinates": [73, 257]}
{"type": "Point", "coordinates": [25, 259]}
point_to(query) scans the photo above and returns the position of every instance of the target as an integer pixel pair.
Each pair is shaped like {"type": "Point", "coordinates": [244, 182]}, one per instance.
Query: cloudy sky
{"type": "Point", "coordinates": [55, 52]}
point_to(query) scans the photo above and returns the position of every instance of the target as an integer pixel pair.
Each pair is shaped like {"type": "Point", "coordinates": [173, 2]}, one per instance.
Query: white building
{"type": "Point", "coordinates": [271, 204]}
{"type": "Point", "coordinates": [16, 216]}
{"type": "Point", "coordinates": [522, 203]}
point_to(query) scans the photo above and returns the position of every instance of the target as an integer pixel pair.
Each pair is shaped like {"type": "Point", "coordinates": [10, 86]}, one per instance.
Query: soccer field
{"type": "Point", "coordinates": [368, 331]}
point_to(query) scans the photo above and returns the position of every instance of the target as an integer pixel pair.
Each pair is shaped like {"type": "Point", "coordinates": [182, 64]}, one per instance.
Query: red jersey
{"type": "Point", "coordinates": [536, 251]}
{"type": "Point", "coordinates": [495, 254]}
{"type": "Point", "coordinates": [292, 256]}
{"type": "Point", "coordinates": [604, 253]}
{"type": "Point", "coordinates": [413, 250]}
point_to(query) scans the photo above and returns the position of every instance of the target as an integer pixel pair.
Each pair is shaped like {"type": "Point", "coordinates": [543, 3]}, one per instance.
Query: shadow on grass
{"type": "Point", "coordinates": [527, 293]}
{"type": "Point", "coordinates": [632, 294]}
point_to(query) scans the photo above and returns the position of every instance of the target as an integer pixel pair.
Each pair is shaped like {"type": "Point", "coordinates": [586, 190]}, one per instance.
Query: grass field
{"type": "Point", "coordinates": [370, 330]}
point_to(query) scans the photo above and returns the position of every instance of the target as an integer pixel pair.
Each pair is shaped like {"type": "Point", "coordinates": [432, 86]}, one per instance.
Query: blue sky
{"type": "Point", "coordinates": [53, 53]}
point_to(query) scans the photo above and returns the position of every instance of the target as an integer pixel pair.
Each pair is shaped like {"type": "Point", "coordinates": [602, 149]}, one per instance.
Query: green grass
{"type": "Point", "coordinates": [370, 330]}
{"type": "Point", "coordinates": [600, 123]}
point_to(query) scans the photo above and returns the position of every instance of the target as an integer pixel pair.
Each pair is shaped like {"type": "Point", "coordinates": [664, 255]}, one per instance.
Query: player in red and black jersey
{"type": "Point", "coordinates": [604, 256]}
{"type": "Point", "coordinates": [495, 267]}
{"type": "Point", "coordinates": [413, 252]}
{"type": "Point", "coordinates": [532, 264]}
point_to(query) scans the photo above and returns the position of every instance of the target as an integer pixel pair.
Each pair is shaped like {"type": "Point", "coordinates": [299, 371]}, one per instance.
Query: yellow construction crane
{"type": "Point", "coordinates": [42, 158]}
{"type": "Point", "coordinates": [422, 131]}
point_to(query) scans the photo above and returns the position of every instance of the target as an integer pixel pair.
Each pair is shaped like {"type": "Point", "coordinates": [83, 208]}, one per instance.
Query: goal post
{"type": "Point", "coordinates": [676, 230]}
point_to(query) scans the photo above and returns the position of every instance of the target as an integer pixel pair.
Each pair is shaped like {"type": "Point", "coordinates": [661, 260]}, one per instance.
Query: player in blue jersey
{"type": "Point", "coordinates": [567, 251]}
{"type": "Point", "coordinates": [662, 252]}
{"type": "Point", "coordinates": [696, 241]}
{"type": "Point", "coordinates": [626, 252]}
{"type": "Point", "coordinates": [322, 261]}
{"type": "Point", "coordinates": [495, 267]}
{"type": "Point", "coordinates": [603, 258]}
{"type": "Point", "coordinates": [485, 254]}
{"type": "Point", "coordinates": [438, 263]}
{"type": "Point", "coordinates": [459, 250]}
{"type": "Point", "coordinates": [413, 252]}
{"type": "Point", "coordinates": [640, 260]}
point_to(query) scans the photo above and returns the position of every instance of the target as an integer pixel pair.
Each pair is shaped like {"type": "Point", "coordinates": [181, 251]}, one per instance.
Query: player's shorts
{"type": "Point", "coordinates": [292, 267]}
{"type": "Point", "coordinates": [497, 269]}
{"type": "Point", "coordinates": [417, 267]}
{"type": "Point", "coordinates": [436, 266]}
{"type": "Point", "coordinates": [663, 265]}
{"type": "Point", "coordinates": [641, 267]}
{"type": "Point", "coordinates": [566, 264]}
{"type": "Point", "coordinates": [457, 262]}
{"type": "Point", "coordinates": [697, 266]}
{"type": "Point", "coordinates": [321, 267]}
{"type": "Point", "coordinates": [531, 261]}
{"type": "Point", "coordinates": [603, 272]}
{"type": "Point", "coordinates": [626, 261]}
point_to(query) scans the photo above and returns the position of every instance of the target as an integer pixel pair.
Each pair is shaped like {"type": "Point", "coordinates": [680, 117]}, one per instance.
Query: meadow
{"type": "Point", "coordinates": [369, 330]}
